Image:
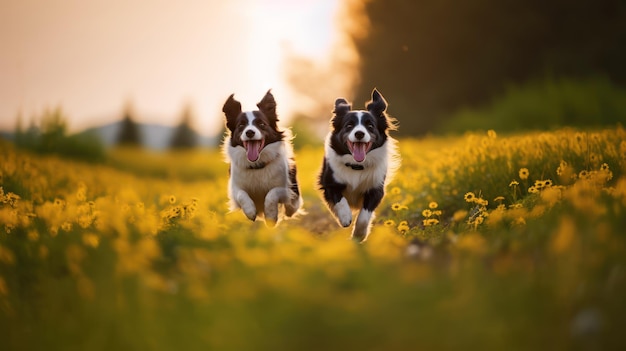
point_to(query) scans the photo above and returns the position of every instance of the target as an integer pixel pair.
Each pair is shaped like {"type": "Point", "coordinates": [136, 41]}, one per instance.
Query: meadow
{"type": "Point", "coordinates": [483, 241]}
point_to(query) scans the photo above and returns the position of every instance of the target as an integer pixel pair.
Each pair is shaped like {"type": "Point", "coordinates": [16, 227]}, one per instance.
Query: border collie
{"type": "Point", "coordinates": [360, 159]}
{"type": "Point", "coordinates": [262, 168]}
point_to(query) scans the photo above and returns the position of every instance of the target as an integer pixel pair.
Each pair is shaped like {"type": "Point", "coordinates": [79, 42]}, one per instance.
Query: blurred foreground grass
{"type": "Point", "coordinates": [483, 242]}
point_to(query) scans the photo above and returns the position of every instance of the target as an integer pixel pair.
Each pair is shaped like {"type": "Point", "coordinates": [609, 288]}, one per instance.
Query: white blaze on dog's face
{"type": "Point", "coordinates": [361, 135]}
{"type": "Point", "coordinates": [252, 136]}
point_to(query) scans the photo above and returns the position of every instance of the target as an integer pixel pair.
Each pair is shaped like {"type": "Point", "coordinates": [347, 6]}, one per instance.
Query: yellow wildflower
{"type": "Point", "coordinates": [514, 183]}
{"type": "Point", "coordinates": [469, 197]}
{"type": "Point", "coordinates": [523, 173]}
{"type": "Point", "coordinates": [398, 207]}
{"type": "Point", "coordinates": [499, 198]}
{"type": "Point", "coordinates": [459, 215]}
{"type": "Point", "coordinates": [491, 134]}
{"type": "Point", "coordinates": [427, 213]}
{"type": "Point", "coordinates": [33, 235]}
{"type": "Point", "coordinates": [66, 226]}
{"type": "Point", "coordinates": [433, 205]}
{"type": "Point", "coordinates": [481, 201]}
{"type": "Point", "coordinates": [172, 199]}
{"type": "Point", "coordinates": [403, 227]}
{"type": "Point", "coordinates": [389, 223]}
{"type": "Point", "coordinates": [430, 222]}
{"type": "Point", "coordinates": [91, 239]}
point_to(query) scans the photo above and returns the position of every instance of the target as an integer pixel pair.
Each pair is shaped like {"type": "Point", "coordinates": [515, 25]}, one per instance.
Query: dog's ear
{"type": "Point", "coordinates": [341, 108]}
{"type": "Point", "coordinates": [232, 110]}
{"type": "Point", "coordinates": [377, 105]}
{"type": "Point", "coordinates": [267, 105]}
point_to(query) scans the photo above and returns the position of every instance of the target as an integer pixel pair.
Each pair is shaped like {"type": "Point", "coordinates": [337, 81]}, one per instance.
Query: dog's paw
{"type": "Point", "coordinates": [272, 199]}
{"type": "Point", "coordinates": [271, 215]}
{"type": "Point", "coordinates": [250, 211]}
{"type": "Point", "coordinates": [359, 236]}
{"type": "Point", "coordinates": [271, 222]}
{"type": "Point", "coordinates": [246, 204]}
{"type": "Point", "coordinates": [292, 207]}
{"type": "Point", "coordinates": [343, 212]}
{"type": "Point", "coordinates": [362, 225]}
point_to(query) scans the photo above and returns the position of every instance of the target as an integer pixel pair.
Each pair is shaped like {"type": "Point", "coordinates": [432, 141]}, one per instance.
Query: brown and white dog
{"type": "Point", "coordinates": [359, 160]}
{"type": "Point", "coordinates": [262, 166]}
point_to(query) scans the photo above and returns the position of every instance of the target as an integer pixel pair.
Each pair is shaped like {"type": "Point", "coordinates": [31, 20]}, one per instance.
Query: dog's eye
{"type": "Point", "coordinates": [349, 125]}
{"type": "Point", "coordinates": [261, 124]}
{"type": "Point", "coordinates": [370, 126]}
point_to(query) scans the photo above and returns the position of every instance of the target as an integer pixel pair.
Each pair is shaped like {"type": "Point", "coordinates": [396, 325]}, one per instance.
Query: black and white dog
{"type": "Point", "coordinates": [262, 166]}
{"type": "Point", "coordinates": [360, 159]}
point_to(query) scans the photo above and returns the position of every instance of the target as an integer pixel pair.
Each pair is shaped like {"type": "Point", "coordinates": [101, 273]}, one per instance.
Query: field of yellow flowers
{"type": "Point", "coordinates": [482, 242]}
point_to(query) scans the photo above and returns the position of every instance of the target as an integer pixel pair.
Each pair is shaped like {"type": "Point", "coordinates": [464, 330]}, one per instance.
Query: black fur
{"type": "Point", "coordinates": [360, 184]}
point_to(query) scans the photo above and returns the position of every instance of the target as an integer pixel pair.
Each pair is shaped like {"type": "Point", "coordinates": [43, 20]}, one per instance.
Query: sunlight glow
{"type": "Point", "coordinates": [93, 59]}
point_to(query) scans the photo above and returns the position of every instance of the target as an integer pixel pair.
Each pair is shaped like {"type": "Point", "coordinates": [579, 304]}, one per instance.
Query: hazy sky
{"type": "Point", "coordinates": [92, 57]}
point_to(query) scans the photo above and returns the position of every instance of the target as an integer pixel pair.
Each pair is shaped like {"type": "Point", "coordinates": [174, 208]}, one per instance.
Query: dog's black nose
{"type": "Point", "coordinates": [249, 133]}
{"type": "Point", "coordinates": [359, 135]}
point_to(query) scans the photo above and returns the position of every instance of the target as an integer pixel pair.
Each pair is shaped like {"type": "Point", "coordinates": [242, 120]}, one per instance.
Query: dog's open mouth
{"type": "Point", "coordinates": [253, 149]}
{"type": "Point", "coordinates": [359, 150]}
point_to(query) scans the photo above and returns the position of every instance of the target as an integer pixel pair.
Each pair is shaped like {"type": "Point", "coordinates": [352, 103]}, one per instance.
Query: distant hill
{"type": "Point", "coordinates": [6, 135]}
{"type": "Point", "coordinates": [153, 136]}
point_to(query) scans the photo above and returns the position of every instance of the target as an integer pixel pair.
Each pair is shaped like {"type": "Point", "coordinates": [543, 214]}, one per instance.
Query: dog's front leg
{"type": "Point", "coordinates": [371, 200]}
{"type": "Point", "coordinates": [338, 204]}
{"type": "Point", "coordinates": [293, 205]}
{"type": "Point", "coordinates": [244, 202]}
{"type": "Point", "coordinates": [272, 199]}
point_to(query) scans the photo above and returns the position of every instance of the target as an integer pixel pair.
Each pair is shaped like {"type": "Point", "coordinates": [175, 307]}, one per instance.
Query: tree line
{"type": "Point", "coordinates": [433, 57]}
{"type": "Point", "coordinates": [51, 136]}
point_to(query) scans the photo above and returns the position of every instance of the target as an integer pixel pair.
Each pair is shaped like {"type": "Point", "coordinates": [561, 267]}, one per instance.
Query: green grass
{"type": "Point", "coordinates": [140, 253]}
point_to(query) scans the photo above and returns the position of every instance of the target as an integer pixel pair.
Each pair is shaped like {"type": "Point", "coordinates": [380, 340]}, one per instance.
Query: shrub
{"type": "Point", "coordinates": [546, 104]}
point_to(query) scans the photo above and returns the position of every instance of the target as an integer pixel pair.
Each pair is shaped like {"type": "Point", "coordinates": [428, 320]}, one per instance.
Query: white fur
{"type": "Point", "coordinates": [343, 212]}
{"type": "Point", "coordinates": [379, 168]}
{"type": "Point", "coordinates": [359, 128]}
{"type": "Point", "coordinates": [260, 191]}
{"type": "Point", "coordinates": [362, 225]}
{"type": "Point", "coordinates": [257, 133]}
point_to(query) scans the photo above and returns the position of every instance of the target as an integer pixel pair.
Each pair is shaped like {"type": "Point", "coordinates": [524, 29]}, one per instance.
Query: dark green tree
{"type": "Point", "coordinates": [129, 131]}
{"type": "Point", "coordinates": [432, 57]}
{"type": "Point", "coordinates": [184, 136]}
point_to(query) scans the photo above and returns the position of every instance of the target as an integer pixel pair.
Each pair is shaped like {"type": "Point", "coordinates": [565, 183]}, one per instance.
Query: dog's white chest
{"type": "Point", "coordinates": [372, 175]}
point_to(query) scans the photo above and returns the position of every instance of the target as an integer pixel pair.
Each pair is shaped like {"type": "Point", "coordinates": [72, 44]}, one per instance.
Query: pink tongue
{"type": "Point", "coordinates": [253, 149]}
{"type": "Point", "coordinates": [358, 151]}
